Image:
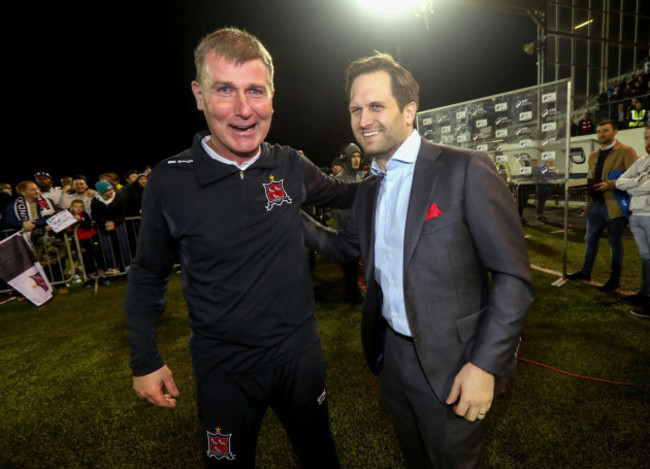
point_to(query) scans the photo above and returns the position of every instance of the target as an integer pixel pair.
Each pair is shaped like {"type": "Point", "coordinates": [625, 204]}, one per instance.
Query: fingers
{"type": "Point", "coordinates": [473, 412]}
{"type": "Point", "coordinates": [150, 387]}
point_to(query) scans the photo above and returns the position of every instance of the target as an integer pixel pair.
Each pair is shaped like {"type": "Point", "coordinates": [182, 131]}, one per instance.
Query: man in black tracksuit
{"type": "Point", "coordinates": [228, 209]}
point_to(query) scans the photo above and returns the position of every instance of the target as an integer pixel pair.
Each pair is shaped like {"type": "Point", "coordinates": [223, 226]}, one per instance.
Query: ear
{"type": "Point", "coordinates": [198, 95]}
{"type": "Point", "coordinates": [410, 111]}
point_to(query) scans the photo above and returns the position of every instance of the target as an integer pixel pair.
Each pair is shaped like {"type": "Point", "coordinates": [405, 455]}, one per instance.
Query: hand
{"type": "Point", "coordinates": [600, 186]}
{"type": "Point", "coordinates": [475, 387]}
{"type": "Point", "coordinates": [150, 387]}
{"type": "Point", "coordinates": [110, 226]}
{"type": "Point", "coordinates": [28, 225]}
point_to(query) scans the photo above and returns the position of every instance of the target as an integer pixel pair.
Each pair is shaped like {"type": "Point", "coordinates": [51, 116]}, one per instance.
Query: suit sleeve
{"type": "Point", "coordinates": [341, 246]}
{"type": "Point", "coordinates": [496, 228]}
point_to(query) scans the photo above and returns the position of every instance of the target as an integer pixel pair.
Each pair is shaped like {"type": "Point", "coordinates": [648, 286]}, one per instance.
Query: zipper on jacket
{"type": "Point", "coordinates": [241, 174]}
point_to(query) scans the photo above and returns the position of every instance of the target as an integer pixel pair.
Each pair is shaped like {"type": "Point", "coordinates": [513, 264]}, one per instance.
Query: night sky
{"type": "Point", "coordinates": [107, 88]}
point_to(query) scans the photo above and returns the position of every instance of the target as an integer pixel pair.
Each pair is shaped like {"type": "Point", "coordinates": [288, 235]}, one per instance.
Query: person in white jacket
{"type": "Point", "coordinates": [636, 181]}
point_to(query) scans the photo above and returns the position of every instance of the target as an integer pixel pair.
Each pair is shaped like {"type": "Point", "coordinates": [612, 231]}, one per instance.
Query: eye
{"type": "Point", "coordinates": [376, 107]}
{"type": "Point", "coordinates": [257, 92]}
{"type": "Point", "coordinates": [224, 90]}
{"type": "Point", "coordinates": [355, 110]}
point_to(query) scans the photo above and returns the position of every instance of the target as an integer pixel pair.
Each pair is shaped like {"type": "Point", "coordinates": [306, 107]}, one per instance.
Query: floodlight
{"type": "Point", "coordinates": [390, 6]}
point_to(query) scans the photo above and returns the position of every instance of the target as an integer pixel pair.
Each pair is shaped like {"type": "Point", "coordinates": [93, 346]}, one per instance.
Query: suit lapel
{"type": "Point", "coordinates": [367, 227]}
{"type": "Point", "coordinates": [425, 180]}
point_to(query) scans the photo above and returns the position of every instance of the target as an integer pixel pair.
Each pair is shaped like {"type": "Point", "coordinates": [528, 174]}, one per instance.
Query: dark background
{"type": "Point", "coordinates": [104, 86]}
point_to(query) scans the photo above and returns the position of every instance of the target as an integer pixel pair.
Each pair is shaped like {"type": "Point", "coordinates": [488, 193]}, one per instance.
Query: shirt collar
{"type": "Point", "coordinates": [610, 146]}
{"type": "Point", "coordinates": [216, 156]}
{"type": "Point", "coordinates": [406, 153]}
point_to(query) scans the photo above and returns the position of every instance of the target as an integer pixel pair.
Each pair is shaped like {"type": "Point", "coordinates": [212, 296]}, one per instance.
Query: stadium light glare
{"type": "Point", "coordinates": [390, 6]}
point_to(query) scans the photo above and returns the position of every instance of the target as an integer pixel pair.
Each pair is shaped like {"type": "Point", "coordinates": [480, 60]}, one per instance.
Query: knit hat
{"type": "Point", "coordinates": [103, 187]}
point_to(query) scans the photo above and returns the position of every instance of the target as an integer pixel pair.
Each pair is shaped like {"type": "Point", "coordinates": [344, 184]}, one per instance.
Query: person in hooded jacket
{"type": "Point", "coordinates": [351, 160]}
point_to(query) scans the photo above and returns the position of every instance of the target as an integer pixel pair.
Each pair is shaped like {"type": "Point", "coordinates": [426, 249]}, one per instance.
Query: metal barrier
{"type": "Point", "coordinates": [73, 258]}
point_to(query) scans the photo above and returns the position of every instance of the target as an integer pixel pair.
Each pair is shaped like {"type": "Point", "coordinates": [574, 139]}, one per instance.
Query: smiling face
{"type": "Point", "coordinates": [377, 122]}
{"type": "Point", "coordinates": [79, 186]}
{"type": "Point", "coordinates": [237, 102]}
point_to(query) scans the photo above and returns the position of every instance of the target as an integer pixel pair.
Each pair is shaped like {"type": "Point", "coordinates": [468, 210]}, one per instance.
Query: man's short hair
{"type": "Point", "coordinates": [235, 46]}
{"type": "Point", "coordinates": [611, 122]}
{"type": "Point", "coordinates": [404, 87]}
{"type": "Point", "coordinates": [22, 186]}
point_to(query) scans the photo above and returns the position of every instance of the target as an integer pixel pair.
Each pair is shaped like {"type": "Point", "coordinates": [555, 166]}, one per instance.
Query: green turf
{"type": "Point", "coordinates": [66, 398]}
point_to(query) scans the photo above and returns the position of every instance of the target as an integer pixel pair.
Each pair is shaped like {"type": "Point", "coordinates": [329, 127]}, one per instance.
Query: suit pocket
{"type": "Point", "coordinates": [467, 325]}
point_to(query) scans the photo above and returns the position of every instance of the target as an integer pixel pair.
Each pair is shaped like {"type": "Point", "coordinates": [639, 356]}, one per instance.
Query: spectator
{"type": "Point", "coordinates": [638, 116]}
{"type": "Point", "coordinates": [352, 172]}
{"type": "Point", "coordinates": [337, 165]}
{"type": "Point", "coordinates": [585, 125]}
{"type": "Point", "coordinates": [45, 184]}
{"type": "Point", "coordinates": [113, 179]}
{"type": "Point", "coordinates": [66, 184]}
{"type": "Point", "coordinates": [29, 213]}
{"type": "Point", "coordinates": [90, 255]}
{"type": "Point", "coordinates": [6, 187]}
{"type": "Point", "coordinates": [604, 211]}
{"type": "Point", "coordinates": [80, 191]}
{"type": "Point", "coordinates": [108, 213]}
{"type": "Point", "coordinates": [620, 115]}
{"type": "Point", "coordinates": [636, 181]}
{"type": "Point", "coordinates": [129, 177]}
{"type": "Point", "coordinates": [132, 195]}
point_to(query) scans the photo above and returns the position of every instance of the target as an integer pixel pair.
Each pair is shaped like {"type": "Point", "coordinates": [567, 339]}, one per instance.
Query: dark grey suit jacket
{"type": "Point", "coordinates": [467, 281]}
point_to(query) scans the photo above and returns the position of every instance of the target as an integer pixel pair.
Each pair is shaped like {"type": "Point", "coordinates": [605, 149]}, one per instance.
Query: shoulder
{"type": "Point", "coordinates": [281, 154]}
{"type": "Point", "coordinates": [183, 161]}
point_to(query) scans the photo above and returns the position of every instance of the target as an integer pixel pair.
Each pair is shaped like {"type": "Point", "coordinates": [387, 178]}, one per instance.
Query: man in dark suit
{"type": "Point", "coordinates": [448, 275]}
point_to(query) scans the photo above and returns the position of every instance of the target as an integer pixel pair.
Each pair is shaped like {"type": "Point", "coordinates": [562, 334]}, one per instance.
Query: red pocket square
{"type": "Point", "coordinates": [433, 212]}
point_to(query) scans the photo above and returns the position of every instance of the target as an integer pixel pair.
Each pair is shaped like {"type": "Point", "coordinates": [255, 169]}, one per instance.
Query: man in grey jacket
{"type": "Point", "coordinates": [636, 181]}
{"type": "Point", "coordinates": [447, 271]}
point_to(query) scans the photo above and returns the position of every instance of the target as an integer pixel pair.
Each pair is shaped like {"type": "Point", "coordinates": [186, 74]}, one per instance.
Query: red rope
{"type": "Point", "coordinates": [584, 377]}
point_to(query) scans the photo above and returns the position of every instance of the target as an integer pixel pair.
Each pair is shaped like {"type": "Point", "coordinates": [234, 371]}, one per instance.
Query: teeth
{"type": "Point", "coordinates": [370, 134]}
{"type": "Point", "coordinates": [244, 129]}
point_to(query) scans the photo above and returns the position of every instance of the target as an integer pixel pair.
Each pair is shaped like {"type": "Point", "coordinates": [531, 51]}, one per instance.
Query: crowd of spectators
{"type": "Point", "coordinates": [626, 100]}
{"type": "Point", "coordinates": [100, 208]}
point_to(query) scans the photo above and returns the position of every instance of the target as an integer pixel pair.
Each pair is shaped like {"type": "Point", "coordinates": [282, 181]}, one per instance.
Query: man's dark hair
{"type": "Point", "coordinates": [611, 122]}
{"type": "Point", "coordinates": [404, 87]}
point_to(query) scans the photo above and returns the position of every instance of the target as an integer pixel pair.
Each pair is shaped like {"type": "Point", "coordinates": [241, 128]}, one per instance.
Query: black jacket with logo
{"type": "Point", "coordinates": [238, 238]}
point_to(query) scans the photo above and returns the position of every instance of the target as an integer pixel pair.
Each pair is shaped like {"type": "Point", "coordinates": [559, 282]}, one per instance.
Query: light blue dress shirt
{"type": "Point", "coordinates": [390, 221]}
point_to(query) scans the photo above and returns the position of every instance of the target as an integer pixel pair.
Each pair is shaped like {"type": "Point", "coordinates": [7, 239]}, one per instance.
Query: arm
{"type": "Point", "coordinates": [341, 247]}
{"type": "Point", "coordinates": [494, 223]}
{"type": "Point", "coordinates": [632, 180]}
{"type": "Point", "coordinates": [145, 303]}
{"type": "Point", "coordinates": [322, 190]}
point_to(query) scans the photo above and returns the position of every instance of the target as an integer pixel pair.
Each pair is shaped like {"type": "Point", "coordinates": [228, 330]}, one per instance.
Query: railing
{"type": "Point", "coordinates": [68, 260]}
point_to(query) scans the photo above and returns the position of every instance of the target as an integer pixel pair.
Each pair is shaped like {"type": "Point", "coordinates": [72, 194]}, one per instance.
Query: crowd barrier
{"type": "Point", "coordinates": [74, 257]}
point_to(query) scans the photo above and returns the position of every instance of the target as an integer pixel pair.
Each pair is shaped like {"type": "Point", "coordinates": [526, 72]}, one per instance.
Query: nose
{"type": "Point", "coordinates": [242, 107]}
{"type": "Point", "coordinates": [364, 118]}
